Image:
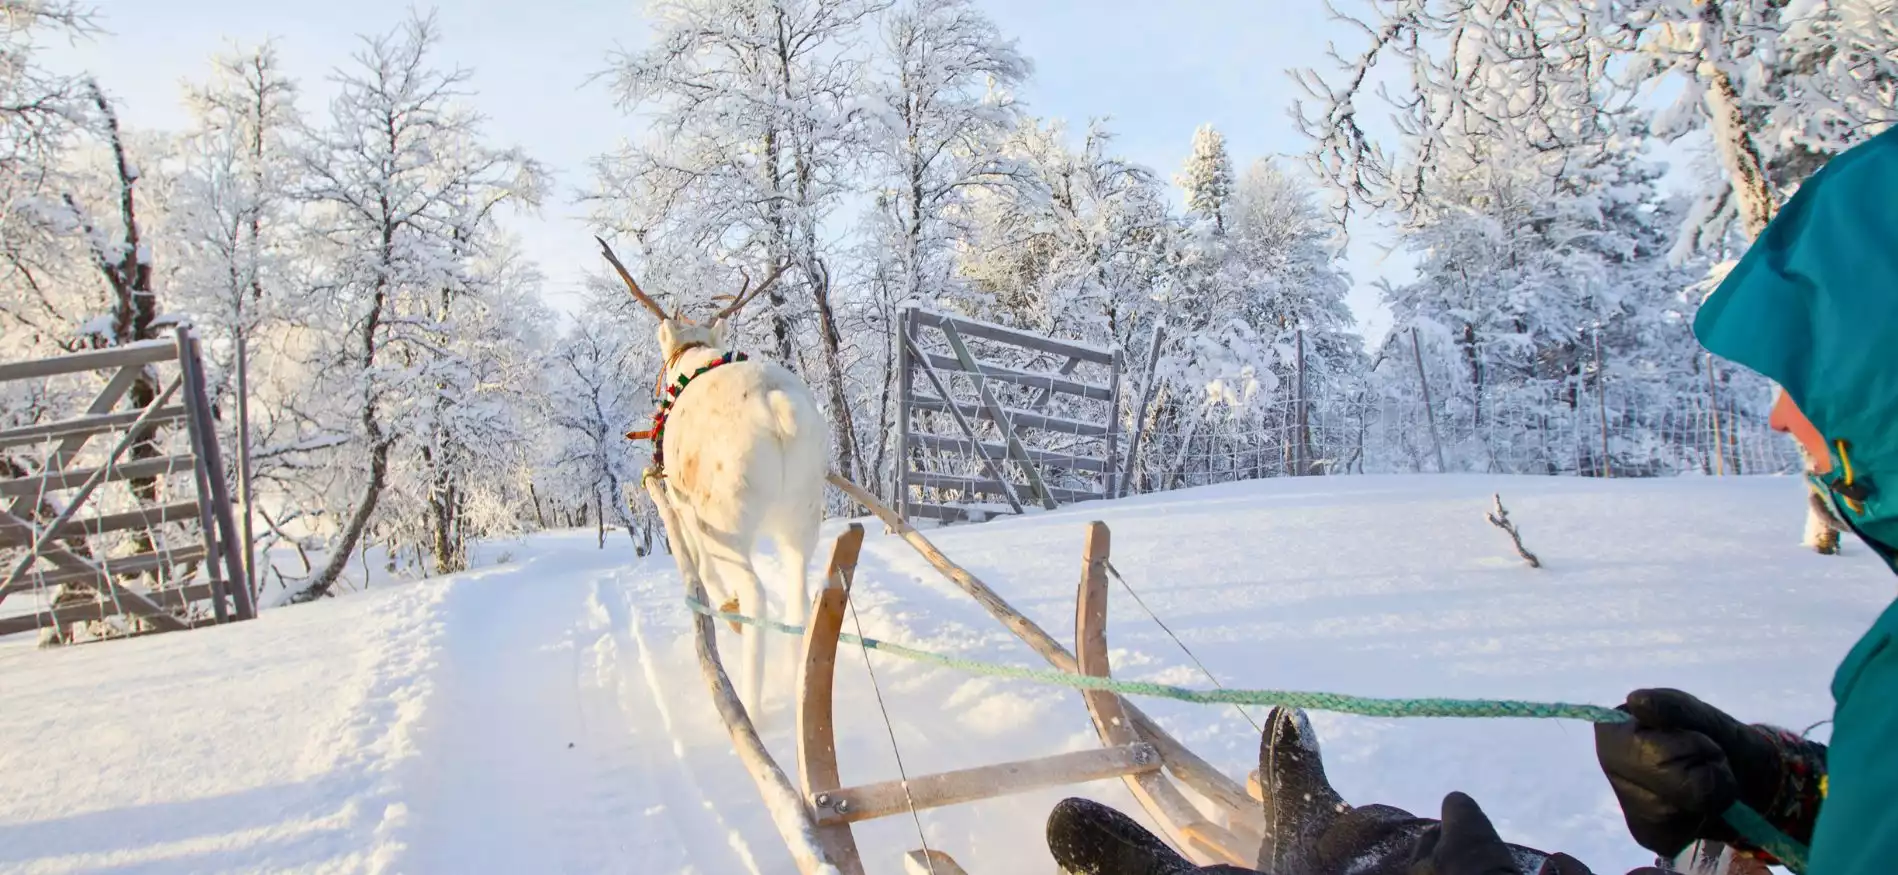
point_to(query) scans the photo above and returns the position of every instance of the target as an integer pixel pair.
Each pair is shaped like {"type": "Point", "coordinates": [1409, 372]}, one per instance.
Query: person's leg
{"type": "Point", "coordinates": [1309, 828]}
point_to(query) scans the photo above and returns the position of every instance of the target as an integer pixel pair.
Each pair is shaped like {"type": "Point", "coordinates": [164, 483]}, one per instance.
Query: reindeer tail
{"type": "Point", "coordinates": [783, 416]}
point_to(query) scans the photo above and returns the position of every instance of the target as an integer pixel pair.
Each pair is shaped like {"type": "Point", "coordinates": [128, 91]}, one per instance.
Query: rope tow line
{"type": "Point", "coordinates": [1746, 821]}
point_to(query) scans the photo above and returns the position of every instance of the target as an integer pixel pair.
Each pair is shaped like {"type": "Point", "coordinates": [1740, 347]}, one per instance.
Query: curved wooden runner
{"type": "Point", "coordinates": [1203, 841]}
{"type": "Point", "coordinates": [816, 732]}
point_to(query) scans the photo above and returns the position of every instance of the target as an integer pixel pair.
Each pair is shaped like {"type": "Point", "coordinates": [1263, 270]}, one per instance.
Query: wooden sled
{"type": "Point", "coordinates": [814, 814]}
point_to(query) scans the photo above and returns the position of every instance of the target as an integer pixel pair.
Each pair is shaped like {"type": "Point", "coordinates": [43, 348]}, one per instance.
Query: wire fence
{"type": "Point", "coordinates": [1589, 438]}
{"type": "Point", "coordinates": [1527, 433]}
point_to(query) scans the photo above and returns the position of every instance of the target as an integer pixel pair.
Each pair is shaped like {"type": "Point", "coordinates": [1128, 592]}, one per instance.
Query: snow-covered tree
{"type": "Point", "coordinates": [759, 119]}
{"type": "Point", "coordinates": [1285, 260]}
{"type": "Point", "coordinates": [401, 193]}
{"type": "Point", "coordinates": [1207, 178]}
{"type": "Point", "coordinates": [1544, 282]}
{"type": "Point", "coordinates": [40, 113]}
{"type": "Point", "coordinates": [233, 226]}
{"type": "Point", "coordinates": [600, 386]}
{"type": "Point", "coordinates": [940, 84]}
{"type": "Point", "coordinates": [1769, 89]}
{"type": "Point", "coordinates": [1075, 244]}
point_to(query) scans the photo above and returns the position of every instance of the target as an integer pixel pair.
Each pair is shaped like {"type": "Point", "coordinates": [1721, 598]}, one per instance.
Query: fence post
{"type": "Point", "coordinates": [904, 385]}
{"type": "Point", "coordinates": [1601, 397]}
{"type": "Point", "coordinates": [1110, 485]}
{"type": "Point", "coordinates": [1140, 413]}
{"type": "Point", "coordinates": [1430, 411]}
{"type": "Point", "coordinates": [1304, 413]}
{"type": "Point", "coordinates": [1713, 408]}
{"type": "Point", "coordinates": [244, 494]}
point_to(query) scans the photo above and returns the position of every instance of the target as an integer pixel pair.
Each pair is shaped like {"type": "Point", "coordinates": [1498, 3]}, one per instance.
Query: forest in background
{"type": "Point", "coordinates": [410, 391]}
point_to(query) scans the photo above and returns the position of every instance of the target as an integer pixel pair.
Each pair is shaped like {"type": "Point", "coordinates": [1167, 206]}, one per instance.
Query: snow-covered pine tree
{"type": "Point", "coordinates": [1207, 179]}
{"type": "Point", "coordinates": [1217, 367]}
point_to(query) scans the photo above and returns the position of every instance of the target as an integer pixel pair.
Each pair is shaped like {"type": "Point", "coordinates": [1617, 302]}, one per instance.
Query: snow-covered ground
{"type": "Point", "coordinates": [545, 714]}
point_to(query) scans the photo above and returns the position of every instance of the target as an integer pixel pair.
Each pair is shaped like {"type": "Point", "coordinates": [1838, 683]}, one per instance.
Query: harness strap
{"type": "Point", "coordinates": [670, 396]}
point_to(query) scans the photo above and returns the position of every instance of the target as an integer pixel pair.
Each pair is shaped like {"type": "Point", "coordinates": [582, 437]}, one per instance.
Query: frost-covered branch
{"type": "Point", "coordinates": [1499, 517]}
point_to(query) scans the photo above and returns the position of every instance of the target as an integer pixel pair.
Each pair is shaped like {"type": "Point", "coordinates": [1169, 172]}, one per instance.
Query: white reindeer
{"type": "Point", "coordinates": [744, 448]}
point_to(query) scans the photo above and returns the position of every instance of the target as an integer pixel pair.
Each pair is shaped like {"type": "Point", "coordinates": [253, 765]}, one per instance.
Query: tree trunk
{"type": "Point", "coordinates": [441, 519]}
{"type": "Point", "coordinates": [379, 445]}
{"type": "Point", "coordinates": [358, 521]}
{"type": "Point", "coordinates": [1733, 138]}
{"type": "Point", "coordinates": [834, 364]}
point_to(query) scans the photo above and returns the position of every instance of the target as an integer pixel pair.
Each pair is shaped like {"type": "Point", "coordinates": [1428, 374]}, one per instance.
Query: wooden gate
{"type": "Point", "coordinates": [992, 419]}
{"type": "Point", "coordinates": [51, 547]}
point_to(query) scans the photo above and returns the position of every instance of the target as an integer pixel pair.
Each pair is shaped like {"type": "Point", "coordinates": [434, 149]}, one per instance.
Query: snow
{"type": "Point", "coordinates": [545, 714]}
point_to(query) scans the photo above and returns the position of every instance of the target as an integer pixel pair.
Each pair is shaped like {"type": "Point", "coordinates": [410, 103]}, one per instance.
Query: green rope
{"type": "Point", "coordinates": [1745, 820]}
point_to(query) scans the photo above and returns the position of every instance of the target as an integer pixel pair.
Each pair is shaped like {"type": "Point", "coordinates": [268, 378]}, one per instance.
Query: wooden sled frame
{"type": "Point", "coordinates": [814, 814]}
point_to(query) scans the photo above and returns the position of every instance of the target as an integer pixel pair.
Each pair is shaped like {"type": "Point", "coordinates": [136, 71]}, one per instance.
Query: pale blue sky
{"type": "Point", "coordinates": [1158, 71]}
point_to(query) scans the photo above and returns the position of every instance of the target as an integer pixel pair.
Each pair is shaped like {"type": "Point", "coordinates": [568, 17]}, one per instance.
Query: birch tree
{"type": "Point", "coordinates": [397, 182]}
{"type": "Point", "coordinates": [941, 90]}
{"type": "Point", "coordinates": [234, 226]}
{"type": "Point", "coordinates": [756, 104]}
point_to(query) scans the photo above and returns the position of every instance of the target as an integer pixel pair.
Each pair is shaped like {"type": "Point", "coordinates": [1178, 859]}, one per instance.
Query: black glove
{"type": "Point", "coordinates": [1466, 843]}
{"type": "Point", "coordinates": [1682, 763]}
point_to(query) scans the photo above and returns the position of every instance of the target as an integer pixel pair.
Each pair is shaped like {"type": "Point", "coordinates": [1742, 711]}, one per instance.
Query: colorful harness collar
{"type": "Point", "coordinates": [657, 434]}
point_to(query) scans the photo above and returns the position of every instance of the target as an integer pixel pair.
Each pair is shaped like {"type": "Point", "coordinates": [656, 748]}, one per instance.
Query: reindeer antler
{"type": "Point", "coordinates": [746, 293]}
{"type": "Point", "coordinates": [631, 286]}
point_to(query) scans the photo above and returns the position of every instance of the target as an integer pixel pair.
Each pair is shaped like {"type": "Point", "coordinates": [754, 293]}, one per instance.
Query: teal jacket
{"type": "Point", "coordinates": [1814, 306]}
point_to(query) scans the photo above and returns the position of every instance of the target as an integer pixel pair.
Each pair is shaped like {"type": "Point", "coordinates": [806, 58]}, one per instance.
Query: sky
{"type": "Point", "coordinates": [1155, 77]}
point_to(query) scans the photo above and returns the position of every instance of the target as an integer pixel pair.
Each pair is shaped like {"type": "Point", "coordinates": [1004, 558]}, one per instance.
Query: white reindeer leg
{"type": "Point", "coordinates": [717, 589]}
{"type": "Point", "coordinates": [797, 588]}
{"type": "Point", "coordinates": [751, 595]}
{"type": "Point", "coordinates": [794, 551]}
{"type": "Point", "coordinates": [735, 570]}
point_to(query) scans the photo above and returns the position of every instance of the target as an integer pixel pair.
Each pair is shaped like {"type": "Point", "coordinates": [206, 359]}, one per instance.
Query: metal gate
{"type": "Point", "coordinates": [174, 533]}
{"type": "Point", "coordinates": [992, 420]}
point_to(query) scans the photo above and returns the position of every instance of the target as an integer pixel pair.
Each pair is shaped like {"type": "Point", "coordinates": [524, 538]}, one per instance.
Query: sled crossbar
{"type": "Point", "coordinates": [882, 799]}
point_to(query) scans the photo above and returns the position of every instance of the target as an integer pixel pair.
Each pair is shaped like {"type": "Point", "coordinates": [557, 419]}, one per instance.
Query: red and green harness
{"type": "Point", "coordinates": [670, 396]}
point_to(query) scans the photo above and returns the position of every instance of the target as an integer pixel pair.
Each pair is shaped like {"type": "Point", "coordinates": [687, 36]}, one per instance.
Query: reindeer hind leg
{"type": "Point", "coordinates": [736, 571]}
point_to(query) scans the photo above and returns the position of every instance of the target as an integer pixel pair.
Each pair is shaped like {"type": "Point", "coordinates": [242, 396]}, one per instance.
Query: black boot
{"type": "Point", "coordinates": [1088, 838]}
{"type": "Point", "coordinates": [1300, 804]}
{"type": "Point", "coordinates": [1310, 830]}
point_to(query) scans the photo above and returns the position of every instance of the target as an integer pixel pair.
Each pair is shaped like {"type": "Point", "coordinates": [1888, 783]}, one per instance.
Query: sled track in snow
{"type": "Point", "coordinates": [689, 817]}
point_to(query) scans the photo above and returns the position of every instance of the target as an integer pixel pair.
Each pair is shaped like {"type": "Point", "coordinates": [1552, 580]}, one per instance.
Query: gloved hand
{"type": "Point", "coordinates": [1682, 763]}
{"type": "Point", "coordinates": [1466, 843]}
